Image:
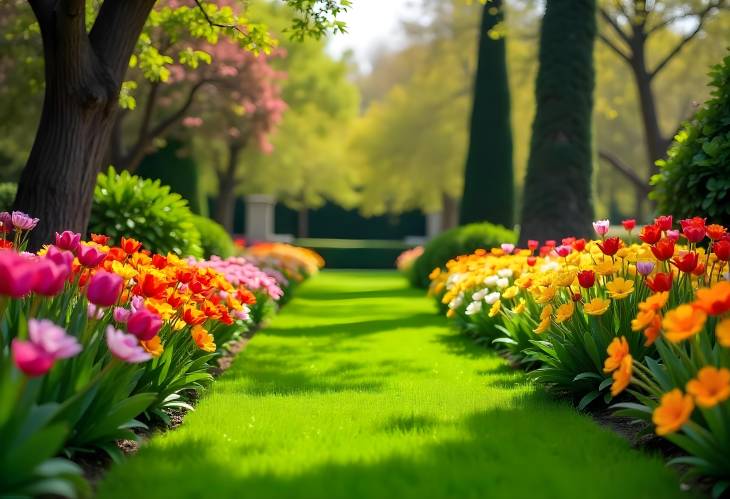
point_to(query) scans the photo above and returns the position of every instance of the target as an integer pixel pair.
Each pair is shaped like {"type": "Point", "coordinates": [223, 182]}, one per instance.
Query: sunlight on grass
{"type": "Point", "coordinates": [359, 390]}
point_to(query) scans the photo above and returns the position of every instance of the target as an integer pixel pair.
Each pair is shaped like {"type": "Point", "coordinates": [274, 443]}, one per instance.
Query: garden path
{"type": "Point", "coordinates": [359, 390]}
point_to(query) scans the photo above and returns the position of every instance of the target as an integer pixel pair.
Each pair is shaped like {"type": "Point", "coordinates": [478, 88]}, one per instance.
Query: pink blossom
{"type": "Point", "coordinates": [68, 240]}
{"type": "Point", "coordinates": [30, 358]}
{"type": "Point", "coordinates": [61, 257]}
{"type": "Point", "coordinates": [50, 277]}
{"type": "Point", "coordinates": [508, 248]}
{"type": "Point", "coordinates": [52, 339]}
{"type": "Point", "coordinates": [121, 315]}
{"type": "Point", "coordinates": [144, 324]}
{"type": "Point", "coordinates": [104, 288]}
{"type": "Point", "coordinates": [673, 235]}
{"type": "Point", "coordinates": [90, 256]}
{"type": "Point", "coordinates": [17, 274]}
{"type": "Point", "coordinates": [23, 221]}
{"type": "Point", "coordinates": [125, 346]}
{"type": "Point", "coordinates": [601, 227]}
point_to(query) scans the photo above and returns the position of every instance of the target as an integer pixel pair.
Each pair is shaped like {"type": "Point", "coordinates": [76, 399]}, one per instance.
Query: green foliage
{"type": "Point", "coordinates": [455, 242]}
{"type": "Point", "coordinates": [126, 205]}
{"type": "Point", "coordinates": [488, 179]}
{"type": "Point", "coordinates": [557, 194]}
{"type": "Point", "coordinates": [695, 178]}
{"type": "Point", "coordinates": [214, 238]}
{"type": "Point", "coordinates": [7, 195]}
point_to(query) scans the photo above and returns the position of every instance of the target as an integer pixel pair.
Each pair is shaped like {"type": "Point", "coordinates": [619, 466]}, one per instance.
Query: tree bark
{"type": "Point", "coordinates": [303, 222]}
{"type": "Point", "coordinates": [83, 73]}
{"type": "Point", "coordinates": [226, 201]}
{"type": "Point", "coordinates": [450, 212]}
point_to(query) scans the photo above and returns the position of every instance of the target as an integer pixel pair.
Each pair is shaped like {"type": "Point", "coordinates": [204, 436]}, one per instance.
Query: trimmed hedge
{"type": "Point", "coordinates": [7, 195]}
{"type": "Point", "coordinates": [455, 242]}
{"type": "Point", "coordinates": [214, 239]}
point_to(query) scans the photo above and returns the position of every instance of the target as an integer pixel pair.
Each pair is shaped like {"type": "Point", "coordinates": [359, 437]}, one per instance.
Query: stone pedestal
{"type": "Point", "coordinates": [260, 217]}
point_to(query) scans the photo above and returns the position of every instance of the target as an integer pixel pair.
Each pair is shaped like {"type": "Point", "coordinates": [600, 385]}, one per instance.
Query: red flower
{"type": "Point", "coordinates": [5, 244]}
{"type": "Point", "coordinates": [175, 300]}
{"type": "Point", "coordinates": [586, 278]}
{"type": "Point", "coordinates": [662, 281]}
{"type": "Point", "coordinates": [532, 244]}
{"type": "Point", "coordinates": [687, 262]}
{"type": "Point", "coordinates": [159, 261]}
{"type": "Point", "coordinates": [184, 275]}
{"type": "Point", "coordinates": [531, 261]}
{"type": "Point", "coordinates": [664, 222]}
{"type": "Point", "coordinates": [716, 231]}
{"type": "Point", "coordinates": [693, 233]}
{"type": "Point", "coordinates": [629, 224]}
{"type": "Point", "coordinates": [700, 270]}
{"type": "Point", "coordinates": [130, 245]}
{"type": "Point", "coordinates": [579, 245]}
{"type": "Point", "coordinates": [610, 245]}
{"type": "Point", "coordinates": [100, 239]}
{"type": "Point", "coordinates": [664, 249]}
{"type": "Point", "coordinates": [551, 243]}
{"type": "Point", "coordinates": [722, 250]}
{"type": "Point", "coordinates": [563, 250]}
{"type": "Point", "coordinates": [567, 241]}
{"type": "Point", "coordinates": [150, 286]}
{"type": "Point", "coordinates": [650, 234]}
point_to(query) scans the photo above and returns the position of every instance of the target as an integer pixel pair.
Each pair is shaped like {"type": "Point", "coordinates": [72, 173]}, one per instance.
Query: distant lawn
{"type": "Point", "coordinates": [358, 390]}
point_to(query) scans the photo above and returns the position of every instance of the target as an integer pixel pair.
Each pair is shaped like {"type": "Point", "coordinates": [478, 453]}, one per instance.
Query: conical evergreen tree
{"type": "Point", "coordinates": [557, 197]}
{"type": "Point", "coordinates": [489, 179]}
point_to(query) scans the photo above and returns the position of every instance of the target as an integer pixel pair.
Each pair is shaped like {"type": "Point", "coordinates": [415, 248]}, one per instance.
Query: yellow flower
{"type": "Point", "coordinates": [620, 288]}
{"type": "Point", "coordinates": [545, 294]}
{"type": "Point", "coordinates": [617, 350]}
{"type": "Point", "coordinates": [510, 292]}
{"type": "Point", "coordinates": [673, 412]}
{"type": "Point", "coordinates": [524, 281]}
{"type": "Point", "coordinates": [520, 307]}
{"type": "Point", "coordinates": [153, 346]}
{"type": "Point", "coordinates": [564, 312]}
{"type": "Point", "coordinates": [203, 338]}
{"type": "Point", "coordinates": [605, 267]}
{"type": "Point", "coordinates": [546, 312]}
{"type": "Point", "coordinates": [544, 324]}
{"type": "Point", "coordinates": [597, 306]}
{"type": "Point", "coordinates": [450, 313]}
{"type": "Point", "coordinates": [124, 271]}
{"type": "Point", "coordinates": [683, 322]}
{"type": "Point", "coordinates": [495, 308]}
{"type": "Point", "coordinates": [564, 278]}
{"type": "Point", "coordinates": [622, 376]}
{"type": "Point", "coordinates": [711, 387]}
{"type": "Point", "coordinates": [722, 331]}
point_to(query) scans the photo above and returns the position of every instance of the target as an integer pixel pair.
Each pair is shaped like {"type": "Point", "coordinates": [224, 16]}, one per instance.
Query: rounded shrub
{"type": "Point", "coordinates": [694, 180]}
{"type": "Point", "coordinates": [126, 205]}
{"type": "Point", "coordinates": [455, 242]}
{"type": "Point", "coordinates": [214, 239]}
{"type": "Point", "coordinates": [7, 195]}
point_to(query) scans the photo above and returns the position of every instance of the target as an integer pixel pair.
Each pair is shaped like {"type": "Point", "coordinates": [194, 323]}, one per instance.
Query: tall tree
{"type": "Point", "coordinates": [85, 60]}
{"type": "Point", "coordinates": [557, 196]}
{"type": "Point", "coordinates": [488, 178]}
{"type": "Point", "coordinates": [629, 28]}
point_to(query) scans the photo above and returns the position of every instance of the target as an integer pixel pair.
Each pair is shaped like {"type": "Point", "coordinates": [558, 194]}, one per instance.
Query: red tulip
{"type": "Point", "coordinates": [579, 245]}
{"type": "Point", "coordinates": [532, 244]}
{"type": "Point", "coordinates": [687, 262]}
{"type": "Point", "coordinates": [610, 246]}
{"type": "Point", "coordinates": [662, 281]}
{"type": "Point", "coordinates": [722, 250]}
{"type": "Point", "coordinates": [650, 234]}
{"type": "Point", "coordinates": [694, 233]}
{"type": "Point", "coordinates": [104, 288]}
{"type": "Point", "coordinates": [531, 260]}
{"type": "Point", "coordinates": [664, 222]}
{"type": "Point", "coordinates": [130, 245]}
{"type": "Point", "coordinates": [100, 239]}
{"type": "Point", "coordinates": [629, 224]}
{"type": "Point", "coordinates": [664, 249]}
{"type": "Point", "coordinates": [586, 278]}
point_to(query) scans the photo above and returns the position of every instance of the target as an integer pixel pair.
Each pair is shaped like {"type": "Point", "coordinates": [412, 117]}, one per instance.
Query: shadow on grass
{"type": "Point", "coordinates": [357, 328]}
{"type": "Point", "coordinates": [357, 295]}
{"type": "Point", "coordinates": [525, 451]}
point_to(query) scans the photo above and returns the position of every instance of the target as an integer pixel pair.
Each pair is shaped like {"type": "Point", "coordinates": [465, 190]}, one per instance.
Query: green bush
{"type": "Point", "coordinates": [7, 195]}
{"type": "Point", "coordinates": [125, 205]}
{"type": "Point", "coordinates": [455, 242]}
{"type": "Point", "coordinates": [695, 178]}
{"type": "Point", "coordinates": [215, 240]}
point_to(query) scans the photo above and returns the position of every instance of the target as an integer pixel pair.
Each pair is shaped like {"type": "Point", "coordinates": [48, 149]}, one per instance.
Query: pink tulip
{"type": "Point", "coordinates": [125, 346]}
{"type": "Point", "coordinates": [90, 256]}
{"type": "Point", "coordinates": [144, 324]}
{"type": "Point", "coordinates": [30, 358]}
{"type": "Point", "coordinates": [68, 240]}
{"type": "Point", "coordinates": [508, 248]}
{"type": "Point", "coordinates": [601, 227]}
{"type": "Point", "coordinates": [121, 315]}
{"type": "Point", "coordinates": [50, 277]}
{"type": "Point", "coordinates": [23, 221]}
{"type": "Point", "coordinates": [6, 219]}
{"type": "Point", "coordinates": [673, 235]}
{"type": "Point", "coordinates": [94, 312]}
{"type": "Point", "coordinates": [61, 257]}
{"type": "Point", "coordinates": [52, 339]}
{"type": "Point", "coordinates": [17, 274]}
{"type": "Point", "coordinates": [104, 288]}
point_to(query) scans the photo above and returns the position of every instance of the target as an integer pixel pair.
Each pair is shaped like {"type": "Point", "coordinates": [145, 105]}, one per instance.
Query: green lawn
{"type": "Point", "coordinates": [359, 390]}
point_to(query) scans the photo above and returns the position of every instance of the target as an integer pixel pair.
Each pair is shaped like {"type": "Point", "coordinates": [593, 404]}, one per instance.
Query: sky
{"type": "Point", "coordinates": [372, 24]}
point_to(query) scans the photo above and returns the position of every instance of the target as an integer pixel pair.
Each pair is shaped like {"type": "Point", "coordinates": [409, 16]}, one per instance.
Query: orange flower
{"type": "Point", "coordinates": [617, 350]}
{"type": "Point", "coordinates": [203, 339]}
{"type": "Point", "coordinates": [715, 231]}
{"type": "Point", "coordinates": [711, 386]}
{"type": "Point", "coordinates": [153, 346]}
{"type": "Point", "coordinates": [150, 286]}
{"type": "Point", "coordinates": [652, 332]}
{"type": "Point", "coordinates": [643, 319]}
{"type": "Point", "coordinates": [193, 316]}
{"type": "Point", "coordinates": [722, 332]}
{"type": "Point", "coordinates": [683, 322]}
{"type": "Point", "coordinates": [714, 300]}
{"type": "Point", "coordinates": [673, 412]}
{"type": "Point", "coordinates": [655, 302]}
{"type": "Point", "coordinates": [622, 376]}
{"type": "Point", "coordinates": [130, 245]}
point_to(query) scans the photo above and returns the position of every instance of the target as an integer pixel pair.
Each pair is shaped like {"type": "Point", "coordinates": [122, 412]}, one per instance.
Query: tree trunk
{"type": "Point", "coordinates": [488, 179]}
{"type": "Point", "coordinates": [450, 213]}
{"type": "Point", "coordinates": [83, 73]}
{"type": "Point", "coordinates": [656, 144]}
{"type": "Point", "coordinates": [226, 201]}
{"type": "Point", "coordinates": [303, 222]}
{"type": "Point", "coordinates": [557, 199]}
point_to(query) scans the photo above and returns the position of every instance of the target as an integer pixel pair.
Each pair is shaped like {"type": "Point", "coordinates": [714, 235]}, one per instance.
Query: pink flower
{"type": "Point", "coordinates": [645, 267]}
{"type": "Point", "coordinates": [50, 277]}
{"type": "Point", "coordinates": [23, 221]}
{"type": "Point", "coordinates": [125, 346]}
{"type": "Point", "coordinates": [30, 358]}
{"type": "Point", "coordinates": [508, 248]}
{"type": "Point", "coordinates": [144, 324]}
{"type": "Point", "coordinates": [17, 274]}
{"type": "Point", "coordinates": [68, 240]}
{"type": "Point", "coordinates": [104, 288]}
{"type": "Point", "coordinates": [137, 303]}
{"type": "Point", "coordinates": [673, 235]}
{"type": "Point", "coordinates": [61, 257]}
{"type": "Point", "coordinates": [94, 312]}
{"type": "Point", "coordinates": [52, 339]}
{"type": "Point", "coordinates": [563, 250]}
{"type": "Point", "coordinates": [90, 256]}
{"type": "Point", "coordinates": [601, 227]}
{"type": "Point", "coordinates": [121, 315]}
{"type": "Point", "coordinates": [6, 219]}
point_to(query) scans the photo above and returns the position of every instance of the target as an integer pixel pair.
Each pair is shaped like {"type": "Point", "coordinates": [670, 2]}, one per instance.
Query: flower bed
{"type": "Point", "coordinates": [641, 324]}
{"type": "Point", "coordinates": [97, 340]}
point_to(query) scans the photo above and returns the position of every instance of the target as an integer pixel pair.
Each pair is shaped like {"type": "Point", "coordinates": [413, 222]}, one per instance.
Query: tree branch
{"type": "Point", "coordinates": [615, 48]}
{"type": "Point", "coordinates": [210, 21]}
{"type": "Point", "coordinates": [614, 24]}
{"type": "Point", "coordinates": [625, 170]}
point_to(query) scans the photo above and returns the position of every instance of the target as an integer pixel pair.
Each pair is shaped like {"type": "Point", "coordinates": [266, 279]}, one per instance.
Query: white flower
{"type": "Point", "coordinates": [454, 278]}
{"type": "Point", "coordinates": [491, 280]}
{"type": "Point", "coordinates": [492, 297]}
{"type": "Point", "coordinates": [550, 266]}
{"type": "Point", "coordinates": [456, 302]}
{"type": "Point", "coordinates": [502, 282]}
{"type": "Point", "coordinates": [479, 295]}
{"type": "Point", "coordinates": [504, 272]}
{"type": "Point", "coordinates": [474, 308]}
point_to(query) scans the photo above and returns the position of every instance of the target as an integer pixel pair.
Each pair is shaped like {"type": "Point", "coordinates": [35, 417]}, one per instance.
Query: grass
{"type": "Point", "coordinates": [358, 390]}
